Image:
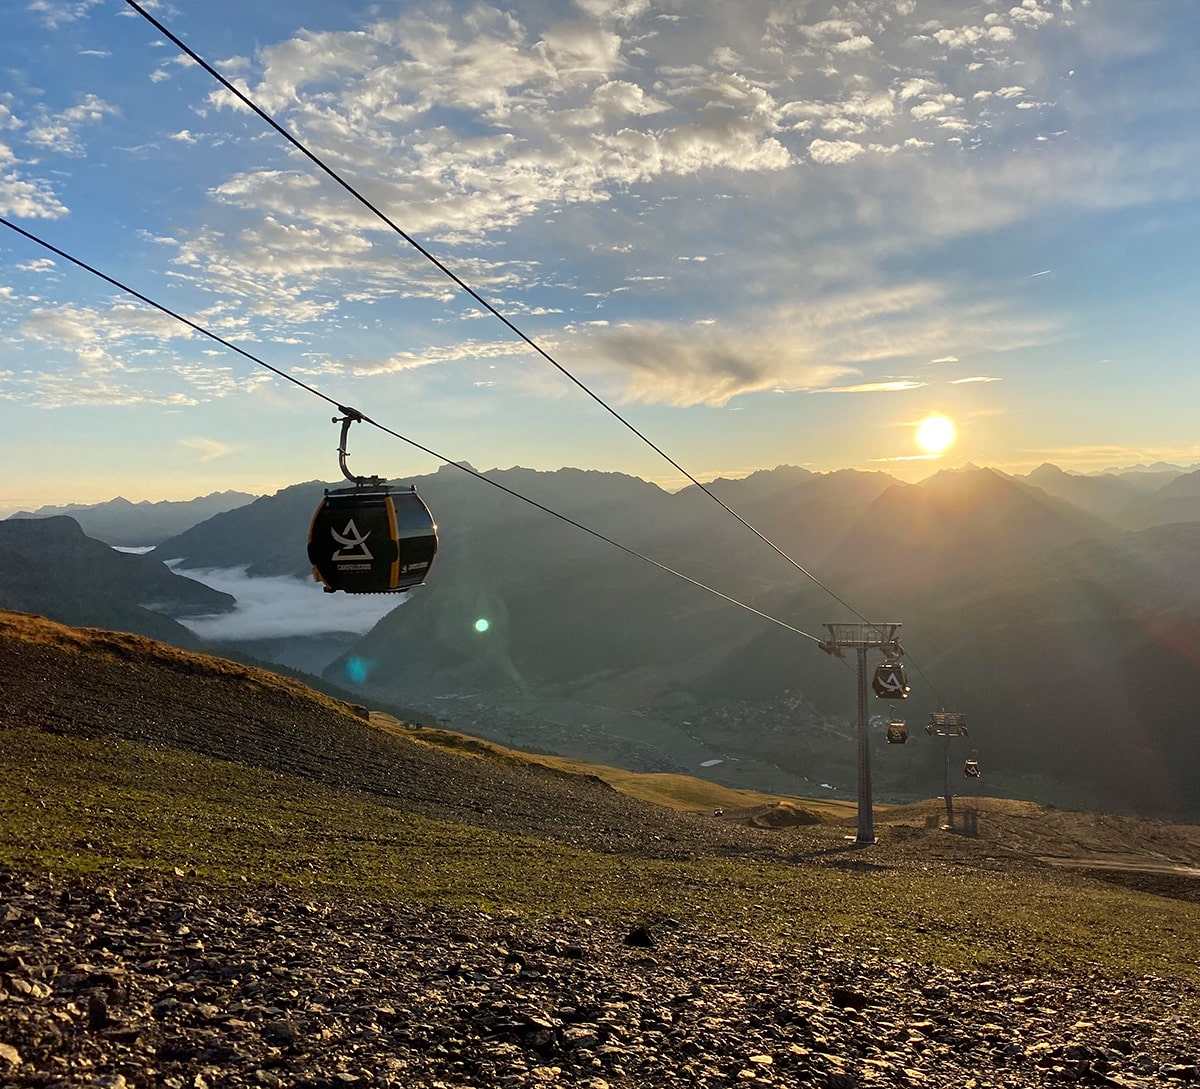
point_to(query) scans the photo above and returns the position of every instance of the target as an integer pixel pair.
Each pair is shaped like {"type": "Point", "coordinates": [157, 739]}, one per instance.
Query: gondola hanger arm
{"type": "Point", "coordinates": [352, 415]}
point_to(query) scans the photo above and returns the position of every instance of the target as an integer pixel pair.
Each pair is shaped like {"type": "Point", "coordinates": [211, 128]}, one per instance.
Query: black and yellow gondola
{"type": "Point", "coordinates": [372, 538]}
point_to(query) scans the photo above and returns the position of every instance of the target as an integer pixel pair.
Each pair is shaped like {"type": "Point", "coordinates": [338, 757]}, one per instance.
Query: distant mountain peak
{"type": "Point", "coordinates": [1047, 471]}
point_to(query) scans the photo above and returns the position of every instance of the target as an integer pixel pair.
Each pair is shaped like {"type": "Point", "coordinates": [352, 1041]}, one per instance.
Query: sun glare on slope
{"type": "Point", "coordinates": [935, 434]}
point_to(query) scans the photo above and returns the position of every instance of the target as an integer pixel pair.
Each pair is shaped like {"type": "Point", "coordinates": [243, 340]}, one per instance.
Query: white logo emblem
{"type": "Point", "coordinates": [354, 544]}
{"type": "Point", "coordinates": [890, 682]}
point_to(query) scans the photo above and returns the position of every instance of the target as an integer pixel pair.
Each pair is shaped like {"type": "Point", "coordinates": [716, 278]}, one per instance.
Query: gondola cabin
{"type": "Point", "coordinates": [897, 733]}
{"type": "Point", "coordinates": [372, 539]}
{"type": "Point", "coordinates": [890, 681]}
{"type": "Point", "coordinates": [971, 769]}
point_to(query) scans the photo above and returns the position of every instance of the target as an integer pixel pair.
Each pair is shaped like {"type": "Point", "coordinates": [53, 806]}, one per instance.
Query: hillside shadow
{"type": "Point", "coordinates": [841, 857]}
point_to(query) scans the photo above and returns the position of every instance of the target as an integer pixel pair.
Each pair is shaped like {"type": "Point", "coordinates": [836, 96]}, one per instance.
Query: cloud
{"type": "Point", "coordinates": [399, 362]}
{"type": "Point", "coordinates": [662, 363]}
{"type": "Point", "coordinates": [895, 385]}
{"type": "Point", "coordinates": [55, 13]}
{"type": "Point", "coordinates": [972, 379]}
{"type": "Point", "coordinates": [282, 606]}
{"type": "Point", "coordinates": [52, 391]}
{"type": "Point", "coordinates": [834, 152]}
{"type": "Point", "coordinates": [123, 356]}
{"type": "Point", "coordinates": [208, 449]}
{"type": "Point", "coordinates": [488, 133]}
{"type": "Point", "coordinates": [793, 347]}
{"type": "Point", "coordinates": [89, 325]}
{"type": "Point", "coordinates": [474, 125]}
{"type": "Point", "coordinates": [25, 198]}
{"type": "Point", "coordinates": [61, 132]}
{"type": "Point", "coordinates": [555, 148]}
{"type": "Point", "coordinates": [213, 381]}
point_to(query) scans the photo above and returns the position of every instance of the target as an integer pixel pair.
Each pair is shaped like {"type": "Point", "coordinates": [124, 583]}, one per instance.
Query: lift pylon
{"type": "Point", "coordinates": [862, 637]}
{"type": "Point", "coordinates": [947, 724]}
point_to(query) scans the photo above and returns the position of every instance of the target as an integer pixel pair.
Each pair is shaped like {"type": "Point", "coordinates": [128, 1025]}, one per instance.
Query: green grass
{"type": "Point", "coordinates": [683, 792]}
{"type": "Point", "coordinates": [80, 806]}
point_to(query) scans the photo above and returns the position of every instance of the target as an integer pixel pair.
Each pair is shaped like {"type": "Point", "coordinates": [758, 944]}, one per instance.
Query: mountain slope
{"type": "Point", "coordinates": [1105, 495]}
{"type": "Point", "coordinates": [94, 684]}
{"type": "Point", "coordinates": [49, 566]}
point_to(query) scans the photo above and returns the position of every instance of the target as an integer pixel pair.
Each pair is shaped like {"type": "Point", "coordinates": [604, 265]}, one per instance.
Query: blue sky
{"type": "Point", "coordinates": [770, 233]}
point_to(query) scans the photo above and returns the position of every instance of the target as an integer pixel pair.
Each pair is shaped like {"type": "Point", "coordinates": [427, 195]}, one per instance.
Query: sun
{"type": "Point", "coordinates": [935, 434]}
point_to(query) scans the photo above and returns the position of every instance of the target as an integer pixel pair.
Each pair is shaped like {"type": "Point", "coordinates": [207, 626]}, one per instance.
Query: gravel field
{"type": "Point", "coordinates": [145, 982]}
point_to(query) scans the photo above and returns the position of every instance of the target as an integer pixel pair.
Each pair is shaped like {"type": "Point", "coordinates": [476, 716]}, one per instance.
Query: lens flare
{"type": "Point", "coordinates": [482, 625]}
{"type": "Point", "coordinates": [357, 669]}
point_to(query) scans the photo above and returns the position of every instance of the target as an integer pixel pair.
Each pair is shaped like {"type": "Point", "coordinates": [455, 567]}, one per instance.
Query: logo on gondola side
{"type": "Point", "coordinates": [354, 544]}
{"type": "Point", "coordinates": [889, 682]}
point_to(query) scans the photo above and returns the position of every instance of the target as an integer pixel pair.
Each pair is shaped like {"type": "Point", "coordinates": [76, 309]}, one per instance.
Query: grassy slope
{"type": "Point", "coordinates": [74, 805]}
{"type": "Point", "coordinates": [72, 801]}
{"type": "Point", "coordinates": [682, 792]}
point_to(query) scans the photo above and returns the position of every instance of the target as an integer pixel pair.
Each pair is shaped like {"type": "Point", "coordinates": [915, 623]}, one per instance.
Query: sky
{"type": "Point", "coordinates": [766, 233]}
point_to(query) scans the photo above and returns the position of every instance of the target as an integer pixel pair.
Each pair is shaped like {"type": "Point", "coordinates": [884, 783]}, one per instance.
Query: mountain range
{"type": "Point", "coordinates": [124, 524]}
{"type": "Point", "coordinates": [1044, 608]}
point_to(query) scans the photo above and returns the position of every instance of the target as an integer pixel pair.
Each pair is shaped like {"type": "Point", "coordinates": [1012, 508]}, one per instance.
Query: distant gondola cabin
{"type": "Point", "coordinates": [890, 681]}
{"type": "Point", "coordinates": [897, 733]}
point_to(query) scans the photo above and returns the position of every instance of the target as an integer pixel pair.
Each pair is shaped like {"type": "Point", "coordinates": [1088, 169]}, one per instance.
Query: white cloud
{"type": "Point", "coordinates": [89, 325]}
{"type": "Point", "coordinates": [23, 197]}
{"type": "Point", "coordinates": [917, 87]}
{"type": "Point", "coordinates": [858, 44]}
{"type": "Point", "coordinates": [61, 131]}
{"type": "Point", "coordinates": [51, 391]}
{"type": "Point", "coordinates": [834, 152]}
{"type": "Point", "coordinates": [212, 382]}
{"type": "Point", "coordinates": [284, 606]}
{"type": "Point", "coordinates": [1030, 13]}
{"type": "Point", "coordinates": [830, 31]}
{"type": "Point", "coordinates": [895, 385]}
{"type": "Point", "coordinates": [55, 13]}
{"type": "Point", "coordinates": [207, 449]}
{"type": "Point", "coordinates": [927, 108]}
{"type": "Point", "coordinates": [399, 362]}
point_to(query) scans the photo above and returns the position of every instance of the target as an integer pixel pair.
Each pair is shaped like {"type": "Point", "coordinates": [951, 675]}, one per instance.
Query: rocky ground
{"type": "Point", "coordinates": [141, 981]}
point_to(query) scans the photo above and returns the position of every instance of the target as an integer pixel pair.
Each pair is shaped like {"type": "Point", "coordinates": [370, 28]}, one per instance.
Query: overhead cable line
{"type": "Point", "coordinates": [395, 434]}
{"type": "Point", "coordinates": [317, 161]}
{"type": "Point", "coordinates": [932, 687]}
